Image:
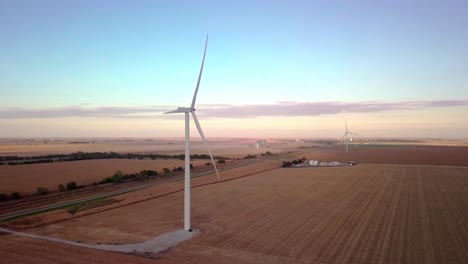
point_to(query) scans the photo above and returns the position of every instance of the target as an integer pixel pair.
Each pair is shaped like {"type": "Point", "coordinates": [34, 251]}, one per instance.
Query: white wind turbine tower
{"type": "Point", "coordinates": [345, 136]}
{"type": "Point", "coordinates": [187, 111]}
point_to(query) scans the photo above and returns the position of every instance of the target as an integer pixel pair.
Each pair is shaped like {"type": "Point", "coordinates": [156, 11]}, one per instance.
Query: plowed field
{"type": "Point", "coordinates": [364, 214]}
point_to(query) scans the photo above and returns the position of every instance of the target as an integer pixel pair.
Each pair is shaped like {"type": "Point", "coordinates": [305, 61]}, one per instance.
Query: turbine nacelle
{"type": "Point", "coordinates": [181, 110]}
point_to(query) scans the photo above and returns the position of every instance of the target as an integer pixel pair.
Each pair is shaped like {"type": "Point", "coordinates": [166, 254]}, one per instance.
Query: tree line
{"type": "Point", "coordinates": [293, 162]}
{"type": "Point", "coordinates": [116, 178]}
{"type": "Point", "coordinates": [17, 160]}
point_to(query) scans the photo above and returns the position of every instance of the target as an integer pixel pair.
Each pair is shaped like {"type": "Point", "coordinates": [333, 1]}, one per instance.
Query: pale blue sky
{"type": "Point", "coordinates": [57, 54]}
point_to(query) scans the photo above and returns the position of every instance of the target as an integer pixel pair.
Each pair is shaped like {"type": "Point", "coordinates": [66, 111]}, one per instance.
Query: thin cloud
{"type": "Point", "coordinates": [322, 108]}
{"type": "Point", "coordinates": [283, 108]}
{"type": "Point", "coordinates": [76, 111]}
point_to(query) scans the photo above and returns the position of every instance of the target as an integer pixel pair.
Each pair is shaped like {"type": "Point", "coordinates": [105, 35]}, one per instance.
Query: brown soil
{"type": "Point", "coordinates": [16, 249]}
{"type": "Point", "coordinates": [363, 214]}
{"type": "Point", "coordinates": [26, 178]}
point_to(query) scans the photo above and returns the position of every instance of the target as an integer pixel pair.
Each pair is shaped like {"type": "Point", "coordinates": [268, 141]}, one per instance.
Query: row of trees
{"type": "Point", "coordinates": [70, 186]}
{"type": "Point", "coordinates": [120, 177]}
{"type": "Point", "coordinates": [16, 160]}
{"type": "Point", "coordinates": [117, 177]}
{"type": "Point", "coordinates": [28, 162]}
{"type": "Point", "coordinates": [263, 154]}
{"type": "Point", "coordinates": [12, 196]}
{"type": "Point", "coordinates": [293, 162]}
{"type": "Point", "coordinates": [52, 156]}
{"type": "Point", "coordinates": [40, 191]}
{"type": "Point", "coordinates": [143, 175]}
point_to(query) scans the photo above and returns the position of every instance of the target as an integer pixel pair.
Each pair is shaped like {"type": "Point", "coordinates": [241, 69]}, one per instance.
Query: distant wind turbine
{"type": "Point", "coordinates": [345, 136]}
{"type": "Point", "coordinates": [187, 111]}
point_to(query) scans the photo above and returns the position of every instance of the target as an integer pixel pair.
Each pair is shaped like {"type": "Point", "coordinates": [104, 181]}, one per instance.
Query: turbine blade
{"type": "Point", "coordinates": [204, 141]}
{"type": "Point", "coordinates": [200, 75]}
{"type": "Point", "coordinates": [346, 124]}
{"type": "Point", "coordinates": [174, 111]}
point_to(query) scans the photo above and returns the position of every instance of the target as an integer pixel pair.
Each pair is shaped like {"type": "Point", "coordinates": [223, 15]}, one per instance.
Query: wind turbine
{"type": "Point", "coordinates": [187, 111]}
{"type": "Point", "coordinates": [345, 136]}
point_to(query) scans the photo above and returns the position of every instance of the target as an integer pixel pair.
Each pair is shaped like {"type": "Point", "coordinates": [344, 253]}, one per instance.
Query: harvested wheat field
{"type": "Point", "coordinates": [417, 155]}
{"type": "Point", "coordinates": [16, 249]}
{"type": "Point", "coordinates": [26, 178]}
{"type": "Point", "coordinates": [365, 214]}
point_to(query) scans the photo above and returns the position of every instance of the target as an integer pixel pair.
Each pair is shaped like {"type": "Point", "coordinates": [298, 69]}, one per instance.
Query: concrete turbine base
{"type": "Point", "coordinates": [152, 246]}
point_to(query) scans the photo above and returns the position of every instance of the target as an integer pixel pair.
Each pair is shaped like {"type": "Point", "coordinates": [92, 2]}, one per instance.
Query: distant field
{"type": "Point", "coordinates": [26, 178]}
{"type": "Point", "coordinates": [421, 155]}
{"type": "Point", "coordinates": [363, 214]}
{"type": "Point", "coordinates": [230, 148]}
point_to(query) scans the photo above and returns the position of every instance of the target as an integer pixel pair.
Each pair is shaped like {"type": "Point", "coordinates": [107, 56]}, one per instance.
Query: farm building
{"type": "Point", "coordinates": [261, 144]}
